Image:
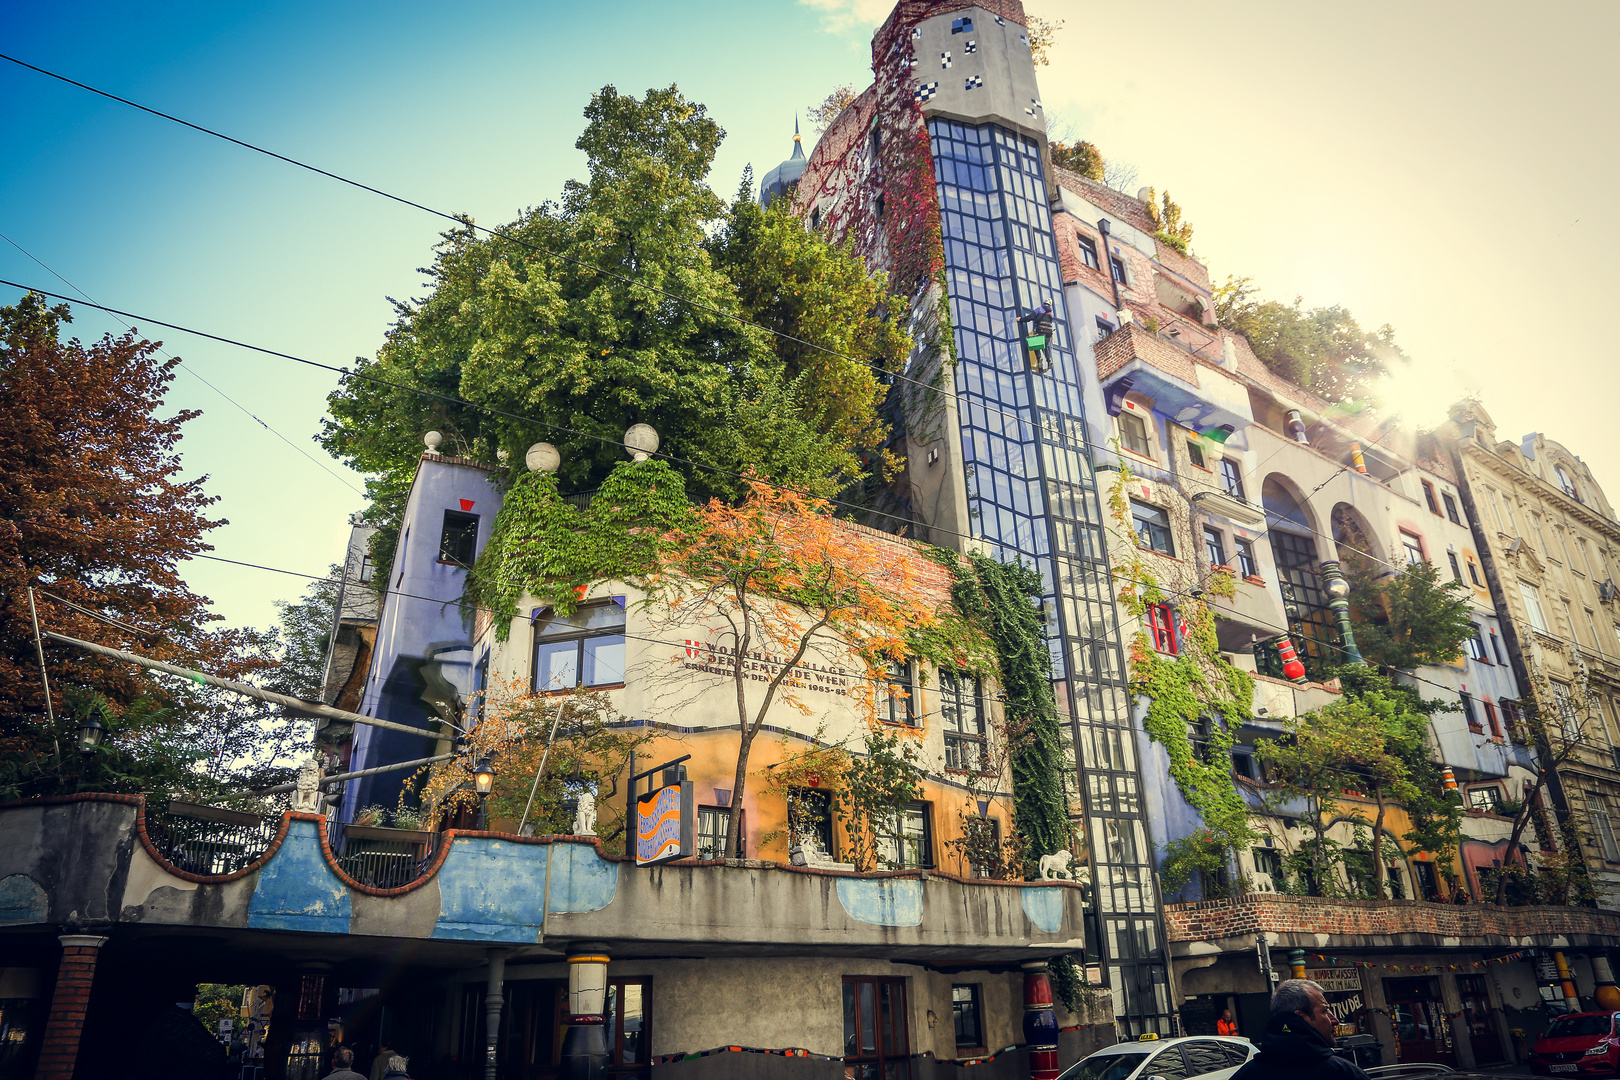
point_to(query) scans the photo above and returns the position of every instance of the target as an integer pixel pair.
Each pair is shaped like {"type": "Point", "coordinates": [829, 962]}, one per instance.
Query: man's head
{"type": "Point", "coordinates": [343, 1058]}
{"type": "Point", "coordinates": [1226, 1014]}
{"type": "Point", "coordinates": [1305, 998]}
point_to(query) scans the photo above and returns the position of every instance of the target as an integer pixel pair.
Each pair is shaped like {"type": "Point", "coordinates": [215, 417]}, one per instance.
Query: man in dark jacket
{"type": "Point", "coordinates": [343, 1066]}
{"type": "Point", "coordinates": [1298, 1043]}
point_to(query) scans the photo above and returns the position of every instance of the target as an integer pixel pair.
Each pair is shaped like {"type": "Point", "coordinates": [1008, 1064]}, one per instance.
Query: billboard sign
{"type": "Point", "coordinates": [664, 824]}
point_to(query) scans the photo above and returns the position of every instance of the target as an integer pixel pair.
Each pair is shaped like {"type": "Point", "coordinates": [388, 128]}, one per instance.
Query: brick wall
{"type": "Point", "coordinates": [68, 1005]}
{"type": "Point", "coordinates": [1214, 919]}
{"type": "Point", "coordinates": [1132, 342]}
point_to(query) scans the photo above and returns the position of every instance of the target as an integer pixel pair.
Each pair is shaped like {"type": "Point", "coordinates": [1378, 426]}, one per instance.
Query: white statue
{"type": "Point", "coordinates": [585, 815]}
{"type": "Point", "coordinates": [1056, 865]}
{"type": "Point", "coordinates": [306, 797]}
{"type": "Point", "coordinates": [1262, 882]}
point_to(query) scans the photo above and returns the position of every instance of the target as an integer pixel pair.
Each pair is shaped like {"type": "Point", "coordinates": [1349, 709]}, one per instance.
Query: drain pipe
{"type": "Point", "coordinates": [1103, 226]}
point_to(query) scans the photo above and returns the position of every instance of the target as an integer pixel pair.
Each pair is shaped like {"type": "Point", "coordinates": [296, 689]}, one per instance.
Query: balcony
{"type": "Point", "coordinates": [1132, 359]}
{"type": "Point", "coordinates": [1314, 922]}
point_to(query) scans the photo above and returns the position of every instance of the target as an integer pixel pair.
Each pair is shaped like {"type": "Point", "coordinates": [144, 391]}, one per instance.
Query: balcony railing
{"type": "Point", "coordinates": [381, 858]}
{"type": "Point", "coordinates": [209, 840]}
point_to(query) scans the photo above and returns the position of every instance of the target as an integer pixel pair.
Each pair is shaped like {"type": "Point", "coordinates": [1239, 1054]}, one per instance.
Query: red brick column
{"type": "Point", "coordinates": [68, 1006]}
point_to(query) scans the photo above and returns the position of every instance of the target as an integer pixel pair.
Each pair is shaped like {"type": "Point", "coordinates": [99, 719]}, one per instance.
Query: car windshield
{"type": "Point", "coordinates": [1105, 1067]}
{"type": "Point", "coordinates": [1578, 1025]}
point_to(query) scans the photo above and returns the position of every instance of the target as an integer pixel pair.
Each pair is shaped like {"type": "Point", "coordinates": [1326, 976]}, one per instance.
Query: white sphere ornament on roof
{"type": "Point", "coordinates": [641, 440]}
{"type": "Point", "coordinates": [542, 457]}
{"type": "Point", "coordinates": [432, 440]}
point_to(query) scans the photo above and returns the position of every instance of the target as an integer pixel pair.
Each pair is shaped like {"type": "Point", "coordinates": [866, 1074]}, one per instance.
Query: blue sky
{"type": "Point", "coordinates": [1445, 172]}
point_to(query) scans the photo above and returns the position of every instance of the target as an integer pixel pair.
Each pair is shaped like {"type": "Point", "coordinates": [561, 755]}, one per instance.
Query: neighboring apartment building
{"type": "Point", "coordinates": [1549, 542]}
{"type": "Point", "coordinates": [353, 635]}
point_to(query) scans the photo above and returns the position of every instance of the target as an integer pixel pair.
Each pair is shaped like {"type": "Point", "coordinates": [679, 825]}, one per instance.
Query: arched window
{"type": "Point", "coordinates": [1566, 483]}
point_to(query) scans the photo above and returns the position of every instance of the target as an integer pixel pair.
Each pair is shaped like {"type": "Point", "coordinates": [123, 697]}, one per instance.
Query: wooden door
{"type": "Point", "coordinates": [1481, 1020]}
{"type": "Point", "coordinates": [1422, 1030]}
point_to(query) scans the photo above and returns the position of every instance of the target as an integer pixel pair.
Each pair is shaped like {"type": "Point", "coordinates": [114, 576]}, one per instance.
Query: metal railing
{"type": "Point", "coordinates": [209, 839]}
{"type": "Point", "coordinates": [372, 857]}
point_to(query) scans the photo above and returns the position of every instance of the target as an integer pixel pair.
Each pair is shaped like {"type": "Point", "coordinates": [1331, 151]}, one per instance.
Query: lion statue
{"type": "Point", "coordinates": [1057, 865]}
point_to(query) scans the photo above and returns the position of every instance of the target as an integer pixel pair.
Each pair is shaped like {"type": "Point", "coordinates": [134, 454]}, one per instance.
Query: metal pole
{"type": "Point", "coordinates": [39, 648]}
{"type": "Point", "coordinates": [630, 810]}
{"type": "Point", "coordinates": [312, 707]}
{"type": "Point", "coordinates": [534, 787]}
{"type": "Point", "coordinates": [493, 1000]}
{"type": "Point", "coordinates": [338, 778]}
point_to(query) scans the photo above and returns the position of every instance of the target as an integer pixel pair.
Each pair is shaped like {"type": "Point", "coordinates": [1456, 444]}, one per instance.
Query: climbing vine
{"type": "Point", "coordinates": [1196, 690]}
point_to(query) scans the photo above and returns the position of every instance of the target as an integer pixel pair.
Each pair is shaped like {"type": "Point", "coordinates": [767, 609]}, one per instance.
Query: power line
{"type": "Point", "coordinates": [187, 369]}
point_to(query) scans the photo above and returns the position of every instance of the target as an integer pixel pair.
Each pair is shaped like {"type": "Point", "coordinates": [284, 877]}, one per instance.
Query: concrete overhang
{"type": "Point", "coordinates": [1132, 360]}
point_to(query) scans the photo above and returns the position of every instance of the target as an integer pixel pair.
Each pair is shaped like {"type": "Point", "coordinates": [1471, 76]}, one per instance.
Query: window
{"type": "Point", "coordinates": [905, 840]}
{"type": "Point", "coordinates": [1603, 828]}
{"type": "Point", "coordinates": [1246, 765]}
{"type": "Point", "coordinates": [1456, 571]}
{"type": "Point", "coordinates": [810, 810]}
{"type": "Point", "coordinates": [1496, 648]}
{"type": "Point", "coordinates": [1566, 711]}
{"type": "Point", "coordinates": [965, 1015]}
{"type": "Point", "coordinates": [1214, 547]}
{"type": "Point", "coordinates": [1468, 712]}
{"type": "Point", "coordinates": [1195, 453]}
{"type": "Point", "coordinates": [1532, 606]}
{"type": "Point", "coordinates": [1484, 798]}
{"type": "Point", "coordinates": [1451, 508]}
{"type": "Point", "coordinates": [1204, 1056]}
{"type": "Point", "coordinates": [1413, 547]}
{"type": "Point", "coordinates": [710, 833]}
{"type": "Point", "coordinates": [1428, 497]}
{"type": "Point", "coordinates": [1118, 267]}
{"type": "Point", "coordinates": [368, 569]}
{"type": "Point", "coordinates": [1473, 574]}
{"type": "Point", "coordinates": [625, 1023]}
{"type": "Point", "coordinates": [877, 1045]}
{"type": "Point", "coordinates": [1167, 1063]}
{"type": "Point", "coordinates": [1162, 625]}
{"type": "Point", "coordinates": [1269, 861]}
{"type": "Point", "coordinates": [1512, 715]}
{"type": "Point", "coordinates": [1591, 624]}
{"type": "Point", "coordinates": [1152, 527]}
{"type": "Point", "coordinates": [897, 701]}
{"type": "Point", "coordinates": [1566, 483]}
{"type": "Point", "coordinates": [961, 707]}
{"type": "Point", "coordinates": [1133, 433]}
{"type": "Point", "coordinates": [984, 853]}
{"type": "Point", "coordinates": [1494, 720]}
{"type": "Point", "coordinates": [1476, 647]}
{"type": "Point", "coordinates": [1088, 251]}
{"type": "Point", "coordinates": [1247, 566]}
{"type": "Point", "coordinates": [1104, 328]}
{"type": "Point", "coordinates": [458, 543]}
{"type": "Point", "coordinates": [1569, 619]}
{"type": "Point", "coordinates": [1586, 556]}
{"type": "Point", "coordinates": [582, 649]}
{"type": "Point", "coordinates": [1232, 475]}
{"type": "Point", "coordinates": [480, 686]}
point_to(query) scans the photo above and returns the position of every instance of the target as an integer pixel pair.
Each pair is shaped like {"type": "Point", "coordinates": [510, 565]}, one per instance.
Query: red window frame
{"type": "Point", "coordinates": [1161, 619]}
{"type": "Point", "coordinates": [1496, 723]}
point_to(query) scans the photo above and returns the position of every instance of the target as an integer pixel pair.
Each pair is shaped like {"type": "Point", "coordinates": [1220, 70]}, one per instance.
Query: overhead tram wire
{"type": "Point", "coordinates": [184, 366]}
{"type": "Point", "coordinates": [509, 238]}
{"type": "Point", "coordinates": [552, 426]}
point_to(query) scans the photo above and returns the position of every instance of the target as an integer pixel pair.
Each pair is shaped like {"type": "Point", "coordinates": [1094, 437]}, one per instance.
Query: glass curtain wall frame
{"type": "Point", "coordinates": [1033, 495]}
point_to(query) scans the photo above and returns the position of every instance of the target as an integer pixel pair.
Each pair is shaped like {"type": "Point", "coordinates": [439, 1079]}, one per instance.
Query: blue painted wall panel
{"type": "Point", "coordinates": [296, 889]}
{"type": "Point", "coordinates": [886, 903]}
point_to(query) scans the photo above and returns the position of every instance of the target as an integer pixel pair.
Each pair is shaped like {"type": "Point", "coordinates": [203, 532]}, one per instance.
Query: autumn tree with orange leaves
{"type": "Point", "coordinates": [777, 575]}
{"type": "Point", "coordinates": [93, 514]}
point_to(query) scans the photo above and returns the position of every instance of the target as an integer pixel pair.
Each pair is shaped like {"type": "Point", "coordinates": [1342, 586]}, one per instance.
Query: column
{"type": "Point", "coordinates": [1571, 998]}
{"type": "Point", "coordinates": [1338, 590]}
{"type": "Point", "coordinates": [1040, 1022]}
{"type": "Point", "coordinates": [70, 1002]}
{"type": "Point", "coordinates": [1296, 963]}
{"type": "Point", "coordinates": [493, 1000]}
{"type": "Point", "coordinates": [584, 1048]}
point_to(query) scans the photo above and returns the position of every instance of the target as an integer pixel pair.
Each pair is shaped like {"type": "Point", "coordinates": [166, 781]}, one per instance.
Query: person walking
{"type": "Point", "coordinates": [343, 1066]}
{"type": "Point", "coordinates": [1226, 1025]}
{"type": "Point", "coordinates": [399, 1065]}
{"type": "Point", "coordinates": [379, 1064]}
{"type": "Point", "coordinates": [1298, 1043]}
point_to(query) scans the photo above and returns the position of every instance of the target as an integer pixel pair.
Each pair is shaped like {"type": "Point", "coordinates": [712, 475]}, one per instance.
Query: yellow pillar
{"type": "Point", "coordinates": [1296, 964]}
{"type": "Point", "coordinates": [1568, 981]}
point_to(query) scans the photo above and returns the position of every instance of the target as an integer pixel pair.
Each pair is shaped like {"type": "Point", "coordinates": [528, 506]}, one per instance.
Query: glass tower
{"type": "Point", "coordinates": [1033, 496]}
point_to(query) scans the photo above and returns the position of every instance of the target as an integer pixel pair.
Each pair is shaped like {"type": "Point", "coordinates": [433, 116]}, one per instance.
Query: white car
{"type": "Point", "coordinates": [1208, 1057]}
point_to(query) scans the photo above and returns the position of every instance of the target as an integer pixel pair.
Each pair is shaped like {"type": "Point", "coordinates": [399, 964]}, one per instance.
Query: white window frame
{"type": "Point", "coordinates": [1532, 607]}
{"type": "Point", "coordinates": [1603, 828]}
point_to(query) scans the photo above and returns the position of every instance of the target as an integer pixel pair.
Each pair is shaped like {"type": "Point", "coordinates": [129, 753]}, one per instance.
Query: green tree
{"type": "Point", "coordinates": [1409, 619]}
{"type": "Point", "coordinates": [628, 301]}
{"type": "Point", "coordinates": [821, 116]}
{"type": "Point", "coordinates": [1166, 217]}
{"type": "Point", "coordinates": [1079, 156]}
{"type": "Point", "coordinates": [1322, 349]}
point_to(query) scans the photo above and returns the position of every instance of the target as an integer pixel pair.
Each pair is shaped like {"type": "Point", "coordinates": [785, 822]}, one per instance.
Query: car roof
{"type": "Point", "coordinates": [1155, 1044]}
{"type": "Point", "coordinates": [1571, 1016]}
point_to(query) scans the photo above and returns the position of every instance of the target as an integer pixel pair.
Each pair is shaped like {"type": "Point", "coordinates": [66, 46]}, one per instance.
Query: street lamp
{"type": "Point", "coordinates": [90, 732]}
{"type": "Point", "coordinates": [483, 783]}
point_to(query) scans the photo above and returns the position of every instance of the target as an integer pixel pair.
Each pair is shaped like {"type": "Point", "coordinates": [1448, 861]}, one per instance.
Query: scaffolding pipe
{"type": "Point", "coordinates": [338, 778]}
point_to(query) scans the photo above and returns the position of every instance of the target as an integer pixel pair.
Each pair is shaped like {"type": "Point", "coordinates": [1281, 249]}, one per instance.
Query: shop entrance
{"type": "Point", "coordinates": [532, 1023]}
{"type": "Point", "coordinates": [1422, 1030]}
{"type": "Point", "coordinates": [1481, 1020]}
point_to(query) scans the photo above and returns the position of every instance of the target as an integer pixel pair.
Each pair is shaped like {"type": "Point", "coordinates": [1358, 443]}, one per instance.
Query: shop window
{"type": "Point", "coordinates": [897, 697]}
{"type": "Point", "coordinates": [1456, 570]}
{"type": "Point", "coordinates": [1467, 700]}
{"type": "Point", "coordinates": [582, 649]}
{"type": "Point", "coordinates": [1248, 566]}
{"type": "Point", "coordinates": [710, 832]}
{"type": "Point", "coordinates": [1195, 453]}
{"type": "Point", "coordinates": [877, 1043]}
{"type": "Point", "coordinates": [810, 810]}
{"type": "Point", "coordinates": [1451, 508]}
{"type": "Point", "coordinates": [961, 708]}
{"type": "Point", "coordinates": [1232, 477]}
{"type": "Point", "coordinates": [1088, 251]}
{"type": "Point", "coordinates": [1413, 546]}
{"type": "Point", "coordinates": [966, 1016]}
{"type": "Point", "coordinates": [1133, 434]}
{"type": "Point", "coordinates": [1493, 719]}
{"type": "Point", "coordinates": [458, 542]}
{"type": "Point", "coordinates": [1428, 498]}
{"type": "Point", "coordinates": [905, 839]}
{"type": "Point", "coordinates": [627, 1028]}
{"type": "Point", "coordinates": [1162, 626]}
{"type": "Point", "coordinates": [1152, 527]}
{"type": "Point", "coordinates": [1214, 547]}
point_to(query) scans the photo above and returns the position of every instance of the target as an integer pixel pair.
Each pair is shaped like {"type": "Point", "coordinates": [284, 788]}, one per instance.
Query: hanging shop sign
{"type": "Point", "coordinates": [1333, 980]}
{"type": "Point", "coordinates": [664, 823]}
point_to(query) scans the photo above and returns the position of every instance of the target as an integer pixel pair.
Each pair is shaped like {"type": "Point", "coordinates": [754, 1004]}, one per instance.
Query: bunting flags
{"type": "Point", "coordinates": [1424, 968]}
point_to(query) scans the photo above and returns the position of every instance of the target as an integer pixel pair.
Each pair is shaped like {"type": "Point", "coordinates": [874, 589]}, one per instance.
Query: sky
{"type": "Point", "coordinates": [1444, 168]}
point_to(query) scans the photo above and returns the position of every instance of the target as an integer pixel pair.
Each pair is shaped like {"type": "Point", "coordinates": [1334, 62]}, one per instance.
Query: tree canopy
{"type": "Point", "coordinates": [633, 299]}
{"type": "Point", "coordinates": [1322, 349]}
{"type": "Point", "coordinates": [1409, 619]}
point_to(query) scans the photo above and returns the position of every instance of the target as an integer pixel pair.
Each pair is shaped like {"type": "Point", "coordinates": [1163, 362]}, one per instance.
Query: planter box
{"type": "Point", "coordinates": [376, 834]}
{"type": "Point", "coordinates": [216, 814]}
